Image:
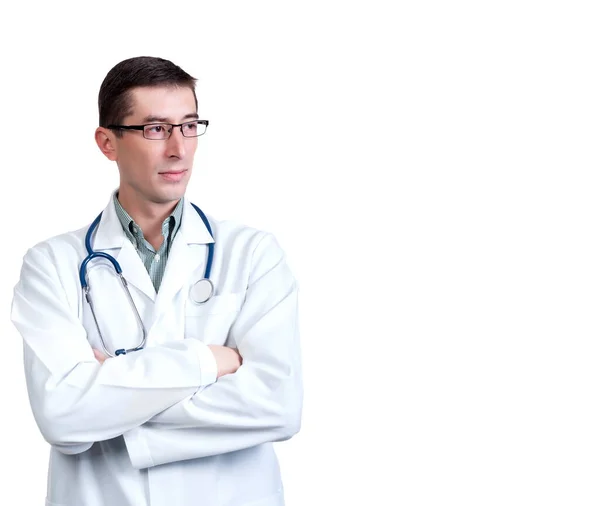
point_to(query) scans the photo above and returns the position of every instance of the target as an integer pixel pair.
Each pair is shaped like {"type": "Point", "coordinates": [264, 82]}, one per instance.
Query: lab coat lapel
{"type": "Point", "coordinates": [185, 257]}
{"type": "Point", "coordinates": [134, 270]}
{"type": "Point", "coordinates": [111, 239]}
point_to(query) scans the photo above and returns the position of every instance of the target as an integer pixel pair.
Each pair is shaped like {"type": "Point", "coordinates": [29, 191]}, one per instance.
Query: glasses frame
{"type": "Point", "coordinates": [172, 125]}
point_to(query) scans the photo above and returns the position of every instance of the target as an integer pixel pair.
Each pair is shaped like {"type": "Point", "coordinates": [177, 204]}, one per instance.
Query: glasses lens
{"type": "Point", "coordinates": [157, 132]}
{"type": "Point", "coordinates": [193, 129]}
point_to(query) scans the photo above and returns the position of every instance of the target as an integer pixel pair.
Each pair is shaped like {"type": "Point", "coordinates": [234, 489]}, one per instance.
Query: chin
{"type": "Point", "coordinates": [164, 197]}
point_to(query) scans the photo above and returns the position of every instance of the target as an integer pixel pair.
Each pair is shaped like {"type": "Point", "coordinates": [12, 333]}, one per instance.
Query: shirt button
{"type": "Point", "coordinates": [156, 258]}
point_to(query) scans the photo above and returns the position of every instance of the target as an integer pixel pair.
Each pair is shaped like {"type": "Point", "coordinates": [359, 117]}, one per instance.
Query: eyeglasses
{"type": "Point", "coordinates": [162, 131]}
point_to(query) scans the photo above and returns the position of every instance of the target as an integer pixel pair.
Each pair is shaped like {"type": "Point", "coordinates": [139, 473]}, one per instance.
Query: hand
{"type": "Point", "coordinates": [228, 359]}
{"type": "Point", "coordinates": [100, 357]}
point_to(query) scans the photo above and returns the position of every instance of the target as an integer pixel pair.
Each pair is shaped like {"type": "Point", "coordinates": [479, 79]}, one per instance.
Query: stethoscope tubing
{"type": "Point", "coordinates": [100, 254]}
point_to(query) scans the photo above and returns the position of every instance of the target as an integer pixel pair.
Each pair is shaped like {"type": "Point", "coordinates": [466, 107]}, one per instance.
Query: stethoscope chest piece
{"type": "Point", "coordinates": [202, 291]}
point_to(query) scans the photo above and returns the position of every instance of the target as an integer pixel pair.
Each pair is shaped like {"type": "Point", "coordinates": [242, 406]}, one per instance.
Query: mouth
{"type": "Point", "coordinates": [173, 175]}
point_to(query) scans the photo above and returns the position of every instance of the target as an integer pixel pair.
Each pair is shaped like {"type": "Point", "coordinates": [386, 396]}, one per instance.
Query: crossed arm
{"type": "Point", "coordinates": [158, 398]}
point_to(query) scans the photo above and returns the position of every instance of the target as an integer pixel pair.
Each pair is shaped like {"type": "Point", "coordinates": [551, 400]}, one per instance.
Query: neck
{"type": "Point", "coordinates": [148, 215]}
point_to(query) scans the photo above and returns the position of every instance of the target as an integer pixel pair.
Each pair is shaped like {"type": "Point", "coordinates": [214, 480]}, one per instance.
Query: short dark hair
{"type": "Point", "coordinates": [114, 98]}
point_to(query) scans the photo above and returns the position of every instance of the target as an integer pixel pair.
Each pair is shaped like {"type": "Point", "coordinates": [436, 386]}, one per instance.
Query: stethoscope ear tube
{"type": "Point", "coordinates": [140, 323]}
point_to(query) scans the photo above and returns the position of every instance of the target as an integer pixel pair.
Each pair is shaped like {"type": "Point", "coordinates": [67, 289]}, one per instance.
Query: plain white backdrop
{"type": "Point", "coordinates": [431, 170]}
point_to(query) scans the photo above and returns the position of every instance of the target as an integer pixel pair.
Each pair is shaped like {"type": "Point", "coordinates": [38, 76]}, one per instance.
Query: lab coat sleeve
{"type": "Point", "coordinates": [75, 400]}
{"type": "Point", "coordinates": [262, 401]}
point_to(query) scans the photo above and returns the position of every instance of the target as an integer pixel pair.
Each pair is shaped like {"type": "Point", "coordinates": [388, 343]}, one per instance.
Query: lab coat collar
{"type": "Point", "coordinates": [183, 259]}
{"type": "Point", "coordinates": [192, 228]}
{"type": "Point", "coordinates": [110, 234]}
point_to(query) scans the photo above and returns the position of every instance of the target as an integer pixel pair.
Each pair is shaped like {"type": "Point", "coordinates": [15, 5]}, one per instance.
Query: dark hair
{"type": "Point", "coordinates": [114, 98]}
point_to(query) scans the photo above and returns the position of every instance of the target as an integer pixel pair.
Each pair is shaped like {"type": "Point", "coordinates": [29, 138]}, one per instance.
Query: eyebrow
{"type": "Point", "coordinates": [162, 119]}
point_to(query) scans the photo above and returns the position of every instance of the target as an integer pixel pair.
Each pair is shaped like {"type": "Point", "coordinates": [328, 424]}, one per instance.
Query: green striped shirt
{"type": "Point", "coordinates": [154, 261]}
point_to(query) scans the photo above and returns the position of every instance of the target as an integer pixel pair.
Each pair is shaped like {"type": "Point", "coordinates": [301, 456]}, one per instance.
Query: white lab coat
{"type": "Point", "coordinates": [155, 427]}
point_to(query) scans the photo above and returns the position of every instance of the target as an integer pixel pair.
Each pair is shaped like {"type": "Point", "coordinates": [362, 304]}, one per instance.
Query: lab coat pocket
{"type": "Point", "coordinates": [210, 322]}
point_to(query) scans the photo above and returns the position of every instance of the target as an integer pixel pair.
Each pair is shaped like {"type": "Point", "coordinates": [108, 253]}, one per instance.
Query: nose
{"type": "Point", "coordinates": [176, 143]}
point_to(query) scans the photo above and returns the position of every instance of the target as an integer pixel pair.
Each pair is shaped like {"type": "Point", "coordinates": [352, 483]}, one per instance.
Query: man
{"type": "Point", "coordinates": [181, 405]}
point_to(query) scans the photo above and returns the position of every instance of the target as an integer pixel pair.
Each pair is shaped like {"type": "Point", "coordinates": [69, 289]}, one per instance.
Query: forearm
{"type": "Point", "coordinates": [261, 402]}
{"type": "Point", "coordinates": [74, 399]}
{"type": "Point", "coordinates": [223, 417]}
{"type": "Point", "coordinates": [94, 402]}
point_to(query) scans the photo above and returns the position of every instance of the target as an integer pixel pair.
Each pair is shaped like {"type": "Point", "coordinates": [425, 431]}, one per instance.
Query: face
{"type": "Point", "coordinates": [156, 171]}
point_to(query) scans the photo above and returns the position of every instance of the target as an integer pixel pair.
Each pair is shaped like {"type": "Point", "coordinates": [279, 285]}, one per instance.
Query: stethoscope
{"type": "Point", "coordinates": [200, 292]}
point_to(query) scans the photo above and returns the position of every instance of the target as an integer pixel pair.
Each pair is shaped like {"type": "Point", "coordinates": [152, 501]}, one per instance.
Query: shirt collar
{"type": "Point", "coordinates": [134, 232]}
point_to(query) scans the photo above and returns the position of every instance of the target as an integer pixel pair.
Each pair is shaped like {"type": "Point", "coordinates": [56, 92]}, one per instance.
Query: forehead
{"type": "Point", "coordinates": [169, 102]}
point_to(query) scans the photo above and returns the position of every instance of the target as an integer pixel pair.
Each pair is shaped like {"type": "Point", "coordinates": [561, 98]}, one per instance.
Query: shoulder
{"type": "Point", "coordinates": [257, 249]}
{"type": "Point", "coordinates": [234, 234]}
{"type": "Point", "coordinates": [59, 248]}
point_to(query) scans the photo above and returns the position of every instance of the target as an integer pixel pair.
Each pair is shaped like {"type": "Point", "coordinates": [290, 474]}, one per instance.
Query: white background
{"type": "Point", "coordinates": [431, 170]}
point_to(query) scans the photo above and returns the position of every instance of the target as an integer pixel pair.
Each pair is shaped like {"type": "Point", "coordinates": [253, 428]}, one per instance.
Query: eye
{"type": "Point", "coordinates": [157, 129]}
{"type": "Point", "coordinates": [191, 127]}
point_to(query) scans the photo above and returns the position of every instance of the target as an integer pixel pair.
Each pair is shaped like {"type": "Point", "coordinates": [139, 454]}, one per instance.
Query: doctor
{"type": "Point", "coordinates": [190, 417]}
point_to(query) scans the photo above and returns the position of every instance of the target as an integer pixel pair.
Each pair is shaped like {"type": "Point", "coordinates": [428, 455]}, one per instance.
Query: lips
{"type": "Point", "coordinates": [173, 171]}
{"type": "Point", "coordinates": [173, 175]}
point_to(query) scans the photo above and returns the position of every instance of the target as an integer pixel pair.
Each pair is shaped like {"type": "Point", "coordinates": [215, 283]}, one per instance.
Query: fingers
{"type": "Point", "coordinates": [100, 357]}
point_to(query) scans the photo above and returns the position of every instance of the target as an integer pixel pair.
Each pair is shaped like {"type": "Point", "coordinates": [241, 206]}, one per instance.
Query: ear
{"type": "Point", "coordinates": [106, 142]}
